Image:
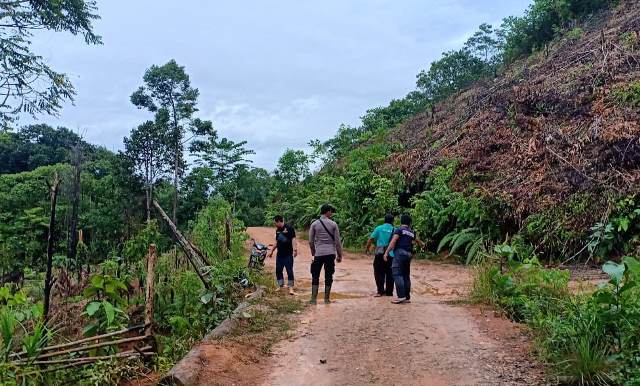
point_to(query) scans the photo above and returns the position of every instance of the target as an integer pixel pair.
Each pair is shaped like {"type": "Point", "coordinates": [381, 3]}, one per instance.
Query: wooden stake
{"type": "Point", "coordinates": [148, 310]}
{"type": "Point", "coordinates": [53, 188]}
{"type": "Point", "coordinates": [227, 239]}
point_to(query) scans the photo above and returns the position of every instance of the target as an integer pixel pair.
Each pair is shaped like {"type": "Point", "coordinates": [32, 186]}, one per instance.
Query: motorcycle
{"type": "Point", "coordinates": [258, 255]}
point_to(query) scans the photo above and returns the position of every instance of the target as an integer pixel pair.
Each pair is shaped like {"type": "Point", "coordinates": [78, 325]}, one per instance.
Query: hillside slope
{"type": "Point", "coordinates": [563, 122]}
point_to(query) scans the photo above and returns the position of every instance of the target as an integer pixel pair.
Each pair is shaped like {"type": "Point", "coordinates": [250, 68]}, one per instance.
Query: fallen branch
{"type": "Point", "coordinates": [192, 256]}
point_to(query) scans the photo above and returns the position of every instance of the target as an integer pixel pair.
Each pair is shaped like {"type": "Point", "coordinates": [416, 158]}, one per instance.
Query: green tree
{"type": "Point", "coordinates": [455, 71]}
{"type": "Point", "coordinates": [486, 44]}
{"type": "Point", "coordinates": [148, 149]}
{"type": "Point", "coordinates": [37, 145]}
{"type": "Point", "coordinates": [224, 157]}
{"type": "Point", "coordinates": [167, 92]}
{"type": "Point", "coordinates": [27, 83]}
{"type": "Point", "coordinates": [293, 166]}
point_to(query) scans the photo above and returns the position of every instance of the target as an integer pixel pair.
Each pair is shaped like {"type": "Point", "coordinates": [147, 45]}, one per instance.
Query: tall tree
{"type": "Point", "coordinates": [27, 83]}
{"type": "Point", "coordinates": [168, 93]}
{"type": "Point", "coordinates": [224, 157]}
{"type": "Point", "coordinates": [148, 149]}
{"type": "Point", "coordinates": [293, 166]}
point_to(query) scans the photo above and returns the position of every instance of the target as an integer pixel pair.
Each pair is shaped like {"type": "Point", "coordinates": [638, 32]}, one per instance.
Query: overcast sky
{"type": "Point", "coordinates": [274, 73]}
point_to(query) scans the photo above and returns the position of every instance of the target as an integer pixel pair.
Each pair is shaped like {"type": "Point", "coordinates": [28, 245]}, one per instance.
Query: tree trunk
{"type": "Point", "coordinates": [148, 311]}
{"type": "Point", "coordinates": [175, 189]}
{"type": "Point", "coordinates": [53, 188]}
{"type": "Point", "coordinates": [148, 194]}
{"type": "Point", "coordinates": [178, 158]}
{"type": "Point", "coordinates": [72, 247]}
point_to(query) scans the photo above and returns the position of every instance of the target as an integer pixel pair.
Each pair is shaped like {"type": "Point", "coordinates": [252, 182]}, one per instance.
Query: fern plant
{"type": "Point", "coordinates": [471, 241]}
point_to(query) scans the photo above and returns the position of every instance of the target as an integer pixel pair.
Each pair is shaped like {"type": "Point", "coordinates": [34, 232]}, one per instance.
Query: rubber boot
{"type": "Point", "coordinates": [327, 294]}
{"type": "Point", "coordinates": [314, 294]}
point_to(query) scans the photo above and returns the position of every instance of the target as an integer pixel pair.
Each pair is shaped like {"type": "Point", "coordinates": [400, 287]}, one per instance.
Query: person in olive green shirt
{"type": "Point", "coordinates": [382, 235]}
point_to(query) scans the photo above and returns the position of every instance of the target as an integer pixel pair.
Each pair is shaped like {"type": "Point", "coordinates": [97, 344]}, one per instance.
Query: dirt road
{"type": "Point", "coordinates": [360, 339]}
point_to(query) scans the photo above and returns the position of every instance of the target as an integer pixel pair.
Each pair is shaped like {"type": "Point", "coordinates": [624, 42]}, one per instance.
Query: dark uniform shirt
{"type": "Point", "coordinates": [284, 240]}
{"type": "Point", "coordinates": [405, 239]}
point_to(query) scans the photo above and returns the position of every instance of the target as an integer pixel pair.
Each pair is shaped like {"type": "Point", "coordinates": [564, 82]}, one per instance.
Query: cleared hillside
{"type": "Point", "coordinates": [562, 122]}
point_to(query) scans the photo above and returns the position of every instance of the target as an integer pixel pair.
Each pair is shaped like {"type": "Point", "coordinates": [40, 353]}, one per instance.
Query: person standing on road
{"type": "Point", "coordinates": [402, 246]}
{"type": "Point", "coordinates": [287, 247]}
{"type": "Point", "coordinates": [382, 235]}
{"type": "Point", "coordinates": [326, 249]}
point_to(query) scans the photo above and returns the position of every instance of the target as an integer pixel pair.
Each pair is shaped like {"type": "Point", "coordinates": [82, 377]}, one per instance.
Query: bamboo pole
{"type": "Point", "coordinates": [83, 363]}
{"type": "Point", "coordinates": [148, 310]}
{"type": "Point", "coordinates": [141, 351]}
{"type": "Point", "coordinates": [92, 346]}
{"type": "Point", "coordinates": [84, 340]}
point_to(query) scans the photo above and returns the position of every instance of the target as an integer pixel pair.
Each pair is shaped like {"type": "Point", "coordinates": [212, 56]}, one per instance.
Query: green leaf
{"type": "Point", "coordinates": [109, 310]}
{"type": "Point", "coordinates": [97, 281]}
{"type": "Point", "coordinates": [462, 239]}
{"type": "Point", "coordinates": [603, 297]}
{"type": "Point", "coordinates": [206, 298]}
{"type": "Point", "coordinates": [633, 265]}
{"type": "Point", "coordinates": [614, 270]}
{"type": "Point", "coordinates": [92, 308]}
{"type": "Point", "coordinates": [474, 250]}
{"type": "Point", "coordinates": [623, 225]}
{"type": "Point", "coordinates": [445, 240]}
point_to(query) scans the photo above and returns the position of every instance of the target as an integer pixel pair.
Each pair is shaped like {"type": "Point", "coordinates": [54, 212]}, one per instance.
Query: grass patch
{"type": "Point", "coordinates": [269, 319]}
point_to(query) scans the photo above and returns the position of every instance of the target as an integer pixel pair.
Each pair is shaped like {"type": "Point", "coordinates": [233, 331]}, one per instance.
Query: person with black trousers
{"type": "Point", "coordinates": [382, 235]}
{"type": "Point", "coordinates": [326, 249]}
{"type": "Point", "coordinates": [287, 247]}
{"type": "Point", "coordinates": [402, 246]}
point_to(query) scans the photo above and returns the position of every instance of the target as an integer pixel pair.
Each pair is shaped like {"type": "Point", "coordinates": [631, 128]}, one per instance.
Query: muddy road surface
{"type": "Point", "coordinates": [360, 339]}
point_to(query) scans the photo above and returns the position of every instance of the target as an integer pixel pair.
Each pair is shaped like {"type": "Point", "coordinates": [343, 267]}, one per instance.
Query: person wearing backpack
{"type": "Point", "coordinates": [382, 235]}
{"type": "Point", "coordinates": [402, 246]}
{"type": "Point", "coordinates": [326, 249]}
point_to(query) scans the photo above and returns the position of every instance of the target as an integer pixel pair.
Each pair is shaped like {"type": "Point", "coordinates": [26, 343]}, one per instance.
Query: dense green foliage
{"type": "Point", "coordinates": [587, 339]}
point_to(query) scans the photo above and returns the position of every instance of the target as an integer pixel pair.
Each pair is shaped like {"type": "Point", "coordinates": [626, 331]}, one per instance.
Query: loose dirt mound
{"type": "Point", "coordinates": [551, 126]}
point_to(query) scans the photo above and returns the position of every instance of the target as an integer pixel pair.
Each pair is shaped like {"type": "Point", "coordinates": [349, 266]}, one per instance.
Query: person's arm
{"type": "Point", "coordinates": [312, 237]}
{"type": "Point", "coordinates": [391, 246]}
{"type": "Point", "coordinates": [294, 243]}
{"type": "Point", "coordinates": [338, 242]}
{"type": "Point", "coordinates": [273, 250]}
{"type": "Point", "coordinates": [419, 242]}
{"type": "Point", "coordinates": [368, 247]}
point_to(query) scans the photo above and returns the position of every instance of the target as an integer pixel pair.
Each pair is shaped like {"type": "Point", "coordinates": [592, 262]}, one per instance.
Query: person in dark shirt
{"type": "Point", "coordinates": [287, 248]}
{"type": "Point", "coordinates": [402, 246]}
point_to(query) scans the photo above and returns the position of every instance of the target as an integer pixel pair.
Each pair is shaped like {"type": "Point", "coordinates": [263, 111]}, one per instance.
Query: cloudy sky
{"type": "Point", "coordinates": [274, 73]}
